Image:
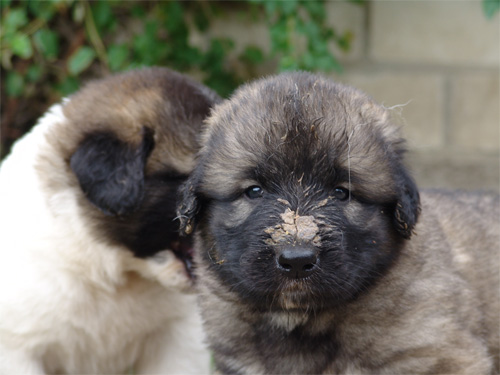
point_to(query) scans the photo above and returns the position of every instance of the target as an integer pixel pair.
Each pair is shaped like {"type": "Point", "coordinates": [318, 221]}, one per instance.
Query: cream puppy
{"type": "Point", "coordinates": [93, 276]}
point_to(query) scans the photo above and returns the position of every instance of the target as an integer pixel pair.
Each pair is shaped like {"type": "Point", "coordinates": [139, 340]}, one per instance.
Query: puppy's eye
{"type": "Point", "coordinates": [254, 192]}
{"type": "Point", "coordinates": [341, 193]}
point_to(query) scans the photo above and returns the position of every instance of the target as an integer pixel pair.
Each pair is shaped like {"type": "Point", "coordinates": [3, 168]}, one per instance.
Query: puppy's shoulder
{"type": "Point", "coordinates": [469, 220]}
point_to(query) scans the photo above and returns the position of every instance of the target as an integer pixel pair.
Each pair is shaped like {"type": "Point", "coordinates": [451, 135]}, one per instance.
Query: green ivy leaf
{"type": "Point", "coordinates": [138, 11]}
{"type": "Point", "coordinates": [289, 7]}
{"type": "Point", "coordinates": [103, 16]}
{"type": "Point", "coordinates": [42, 9]}
{"type": "Point", "coordinates": [212, 62]}
{"type": "Point", "coordinates": [316, 9]}
{"type": "Point", "coordinates": [21, 46]}
{"type": "Point", "coordinates": [4, 4]}
{"type": "Point", "coordinates": [14, 20]}
{"type": "Point", "coordinates": [34, 73]}
{"type": "Point", "coordinates": [68, 86]}
{"type": "Point", "coordinates": [288, 63]}
{"type": "Point", "coordinates": [174, 16]}
{"type": "Point", "coordinates": [490, 7]}
{"type": "Point", "coordinates": [184, 57]}
{"type": "Point", "coordinates": [147, 49]}
{"type": "Point", "coordinates": [252, 55]}
{"type": "Point", "coordinates": [311, 30]}
{"type": "Point", "coordinates": [279, 36]}
{"type": "Point", "coordinates": [308, 61]}
{"type": "Point", "coordinates": [344, 42]}
{"type": "Point", "coordinates": [270, 6]}
{"type": "Point", "coordinates": [47, 42]}
{"type": "Point", "coordinates": [81, 60]}
{"type": "Point", "coordinates": [200, 19]}
{"type": "Point", "coordinates": [151, 29]}
{"type": "Point", "coordinates": [14, 84]}
{"type": "Point", "coordinates": [57, 3]}
{"type": "Point", "coordinates": [328, 63]}
{"type": "Point", "coordinates": [118, 54]}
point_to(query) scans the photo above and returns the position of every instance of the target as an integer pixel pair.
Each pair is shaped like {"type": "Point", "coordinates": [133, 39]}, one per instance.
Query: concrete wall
{"type": "Point", "coordinates": [437, 63]}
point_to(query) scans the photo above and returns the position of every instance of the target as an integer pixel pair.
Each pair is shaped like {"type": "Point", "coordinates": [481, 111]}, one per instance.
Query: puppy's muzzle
{"type": "Point", "coordinates": [295, 242]}
{"type": "Point", "coordinates": [297, 262]}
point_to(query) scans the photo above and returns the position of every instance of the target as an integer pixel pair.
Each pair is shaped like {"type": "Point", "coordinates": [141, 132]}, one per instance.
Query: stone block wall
{"type": "Point", "coordinates": [437, 63]}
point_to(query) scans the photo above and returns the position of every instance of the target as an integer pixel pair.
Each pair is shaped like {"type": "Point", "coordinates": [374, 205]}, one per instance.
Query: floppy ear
{"type": "Point", "coordinates": [407, 208]}
{"type": "Point", "coordinates": [111, 172]}
{"type": "Point", "coordinates": [189, 203]}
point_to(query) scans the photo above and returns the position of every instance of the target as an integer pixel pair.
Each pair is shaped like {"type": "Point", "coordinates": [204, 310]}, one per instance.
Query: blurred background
{"type": "Point", "coordinates": [435, 63]}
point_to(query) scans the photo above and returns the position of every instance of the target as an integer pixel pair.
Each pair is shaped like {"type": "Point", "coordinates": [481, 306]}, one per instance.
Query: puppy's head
{"type": "Point", "coordinates": [300, 197]}
{"type": "Point", "coordinates": [127, 142]}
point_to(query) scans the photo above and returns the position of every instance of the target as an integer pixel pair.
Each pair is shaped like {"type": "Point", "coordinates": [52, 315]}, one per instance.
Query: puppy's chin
{"type": "Point", "coordinates": [294, 296]}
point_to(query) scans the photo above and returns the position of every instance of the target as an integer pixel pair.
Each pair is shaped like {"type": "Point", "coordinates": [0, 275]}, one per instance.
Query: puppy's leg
{"type": "Point", "coordinates": [19, 362]}
{"type": "Point", "coordinates": [177, 349]}
{"type": "Point", "coordinates": [467, 356]}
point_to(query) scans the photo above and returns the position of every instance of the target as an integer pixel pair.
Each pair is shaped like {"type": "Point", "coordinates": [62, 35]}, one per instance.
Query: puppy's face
{"type": "Point", "coordinates": [128, 142]}
{"type": "Point", "coordinates": [300, 198]}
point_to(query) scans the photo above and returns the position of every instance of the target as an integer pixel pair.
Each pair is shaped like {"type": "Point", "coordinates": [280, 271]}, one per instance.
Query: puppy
{"type": "Point", "coordinates": [93, 274]}
{"type": "Point", "coordinates": [318, 255]}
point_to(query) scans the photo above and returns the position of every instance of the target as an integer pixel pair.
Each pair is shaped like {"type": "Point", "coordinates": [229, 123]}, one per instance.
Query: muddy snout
{"type": "Point", "coordinates": [295, 241]}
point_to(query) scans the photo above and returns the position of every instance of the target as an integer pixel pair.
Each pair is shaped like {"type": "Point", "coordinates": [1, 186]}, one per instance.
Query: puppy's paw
{"type": "Point", "coordinates": [165, 268]}
{"type": "Point", "coordinates": [169, 270]}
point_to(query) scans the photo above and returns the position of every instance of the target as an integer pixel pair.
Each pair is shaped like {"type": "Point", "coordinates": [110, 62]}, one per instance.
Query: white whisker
{"type": "Point", "coordinates": [398, 105]}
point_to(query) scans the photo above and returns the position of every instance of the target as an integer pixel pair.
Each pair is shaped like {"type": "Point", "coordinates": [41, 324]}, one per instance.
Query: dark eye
{"type": "Point", "coordinates": [254, 192]}
{"type": "Point", "coordinates": [341, 193]}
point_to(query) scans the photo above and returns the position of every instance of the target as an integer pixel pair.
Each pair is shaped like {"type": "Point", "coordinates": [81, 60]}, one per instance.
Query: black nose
{"type": "Point", "coordinates": [297, 262]}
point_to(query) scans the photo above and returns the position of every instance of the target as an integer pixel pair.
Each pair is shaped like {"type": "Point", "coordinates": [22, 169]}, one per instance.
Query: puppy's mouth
{"type": "Point", "coordinates": [183, 250]}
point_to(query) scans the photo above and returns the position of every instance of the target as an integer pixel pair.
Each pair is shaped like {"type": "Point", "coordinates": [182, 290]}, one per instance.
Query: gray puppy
{"type": "Point", "coordinates": [318, 255]}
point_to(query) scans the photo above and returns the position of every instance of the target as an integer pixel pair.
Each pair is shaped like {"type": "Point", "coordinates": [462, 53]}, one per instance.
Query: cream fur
{"type": "Point", "coordinates": [70, 303]}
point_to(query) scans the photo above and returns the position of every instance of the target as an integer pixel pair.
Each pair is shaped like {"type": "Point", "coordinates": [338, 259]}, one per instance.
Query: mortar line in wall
{"type": "Point", "coordinates": [447, 92]}
{"type": "Point", "coordinates": [395, 67]}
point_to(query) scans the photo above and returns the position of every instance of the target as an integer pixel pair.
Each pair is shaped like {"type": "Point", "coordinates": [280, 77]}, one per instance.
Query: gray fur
{"type": "Point", "coordinates": [432, 308]}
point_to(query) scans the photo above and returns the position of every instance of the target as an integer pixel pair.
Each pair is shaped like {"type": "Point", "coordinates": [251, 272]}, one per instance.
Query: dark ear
{"type": "Point", "coordinates": [111, 172]}
{"type": "Point", "coordinates": [407, 208]}
{"type": "Point", "coordinates": [188, 203]}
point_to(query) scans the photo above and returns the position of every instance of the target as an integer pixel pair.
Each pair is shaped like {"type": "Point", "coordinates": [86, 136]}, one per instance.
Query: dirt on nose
{"type": "Point", "coordinates": [294, 228]}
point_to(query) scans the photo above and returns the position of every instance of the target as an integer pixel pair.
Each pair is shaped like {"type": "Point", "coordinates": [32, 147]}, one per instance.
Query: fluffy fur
{"type": "Point", "coordinates": [94, 277]}
{"type": "Point", "coordinates": [318, 255]}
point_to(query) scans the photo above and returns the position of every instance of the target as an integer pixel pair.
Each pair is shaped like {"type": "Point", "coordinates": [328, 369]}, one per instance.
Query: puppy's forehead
{"type": "Point", "coordinates": [295, 120]}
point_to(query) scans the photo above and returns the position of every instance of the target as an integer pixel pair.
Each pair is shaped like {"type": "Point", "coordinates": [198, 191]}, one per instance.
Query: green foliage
{"type": "Point", "coordinates": [47, 43]}
{"type": "Point", "coordinates": [300, 36]}
{"type": "Point", "coordinates": [61, 42]}
{"type": "Point", "coordinates": [48, 48]}
{"type": "Point", "coordinates": [14, 84]}
{"type": "Point", "coordinates": [491, 7]}
{"type": "Point", "coordinates": [80, 60]}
